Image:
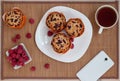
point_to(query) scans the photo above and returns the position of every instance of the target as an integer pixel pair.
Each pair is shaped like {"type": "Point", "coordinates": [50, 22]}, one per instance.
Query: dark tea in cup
{"type": "Point", "coordinates": [106, 17]}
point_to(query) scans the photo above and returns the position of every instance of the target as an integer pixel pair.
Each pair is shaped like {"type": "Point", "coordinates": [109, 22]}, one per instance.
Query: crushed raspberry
{"type": "Point", "coordinates": [32, 68]}
{"type": "Point", "coordinates": [72, 46]}
{"type": "Point", "coordinates": [14, 40]}
{"type": "Point", "coordinates": [18, 36]}
{"type": "Point", "coordinates": [47, 65]}
{"type": "Point", "coordinates": [71, 39]}
{"type": "Point", "coordinates": [31, 21]}
{"type": "Point", "coordinates": [28, 35]}
{"type": "Point", "coordinates": [49, 33]}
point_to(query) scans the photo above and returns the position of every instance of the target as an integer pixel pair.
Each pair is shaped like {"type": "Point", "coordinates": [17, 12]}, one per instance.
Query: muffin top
{"type": "Point", "coordinates": [61, 43]}
{"type": "Point", "coordinates": [56, 21]}
{"type": "Point", "coordinates": [74, 27]}
{"type": "Point", "coordinates": [14, 18]}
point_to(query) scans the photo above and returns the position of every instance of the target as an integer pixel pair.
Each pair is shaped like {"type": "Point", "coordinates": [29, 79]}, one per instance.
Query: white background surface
{"type": "Point", "coordinates": [56, 79]}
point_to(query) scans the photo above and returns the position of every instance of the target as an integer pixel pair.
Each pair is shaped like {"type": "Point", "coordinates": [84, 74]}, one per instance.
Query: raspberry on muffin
{"type": "Point", "coordinates": [14, 18]}
{"type": "Point", "coordinates": [61, 43]}
{"type": "Point", "coordinates": [56, 21]}
{"type": "Point", "coordinates": [74, 27]}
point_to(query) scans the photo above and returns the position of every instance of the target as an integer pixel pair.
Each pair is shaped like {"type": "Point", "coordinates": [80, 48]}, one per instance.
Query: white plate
{"type": "Point", "coordinates": [81, 43]}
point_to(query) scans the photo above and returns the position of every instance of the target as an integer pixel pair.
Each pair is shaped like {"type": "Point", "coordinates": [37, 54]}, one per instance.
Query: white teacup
{"type": "Point", "coordinates": [106, 17]}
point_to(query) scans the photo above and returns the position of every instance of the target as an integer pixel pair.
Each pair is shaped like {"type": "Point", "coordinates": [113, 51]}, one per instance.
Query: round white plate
{"type": "Point", "coordinates": [81, 43]}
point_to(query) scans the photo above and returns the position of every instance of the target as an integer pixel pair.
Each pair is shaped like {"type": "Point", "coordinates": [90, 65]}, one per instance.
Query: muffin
{"type": "Point", "coordinates": [56, 21]}
{"type": "Point", "coordinates": [14, 18]}
{"type": "Point", "coordinates": [74, 27]}
{"type": "Point", "coordinates": [61, 43]}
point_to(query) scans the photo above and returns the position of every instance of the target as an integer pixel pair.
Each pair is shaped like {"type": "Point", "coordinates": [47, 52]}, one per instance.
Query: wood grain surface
{"type": "Point", "coordinates": [107, 41]}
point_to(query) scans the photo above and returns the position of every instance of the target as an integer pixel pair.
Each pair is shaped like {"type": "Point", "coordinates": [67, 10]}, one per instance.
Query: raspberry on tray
{"type": "Point", "coordinates": [18, 56]}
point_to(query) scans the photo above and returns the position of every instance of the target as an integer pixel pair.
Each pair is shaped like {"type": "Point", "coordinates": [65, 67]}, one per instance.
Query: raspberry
{"type": "Point", "coordinates": [13, 64]}
{"type": "Point", "coordinates": [20, 47]}
{"type": "Point", "coordinates": [15, 50]}
{"type": "Point", "coordinates": [49, 33]}
{"type": "Point", "coordinates": [17, 56]}
{"type": "Point", "coordinates": [14, 40]}
{"type": "Point", "coordinates": [72, 46]}
{"type": "Point", "coordinates": [13, 55]}
{"type": "Point", "coordinates": [28, 35]}
{"type": "Point", "coordinates": [31, 21]}
{"type": "Point", "coordinates": [19, 51]}
{"type": "Point", "coordinates": [18, 36]}
{"type": "Point", "coordinates": [14, 60]}
{"type": "Point", "coordinates": [23, 54]}
{"type": "Point", "coordinates": [10, 51]}
{"type": "Point", "coordinates": [71, 39]}
{"type": "Point", "coordinates": [20, 63]}
{"type": "Point", "coordinates": [21, 59]}
{"type": "Point", "coordinates": [26, 58]}
{"type": "Point", "coordinates": [32, 68]}
{"type": "Point", "coordinates": [47, 65]}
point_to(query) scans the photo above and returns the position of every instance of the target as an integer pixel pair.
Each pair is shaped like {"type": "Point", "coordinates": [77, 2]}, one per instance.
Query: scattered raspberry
{"type": "Point", "coordinates": [14, 40]}
{"type": "Point", "coordinates": [18, 36]}
{"type": "Point", "coordinates": [71, 39]}
{"type": "Point", "coordinates": [33, 68]}
{"type": "Point", "coordinates": [47, 65]}
{"type": "Point", "coordinates": [72, 46]}
{"type": "Point", "coordinates": [31, 21]}
{"type": "Point", "coordinates": [49, 33]}
{"type": "Point", "coordinates": [28, 35]}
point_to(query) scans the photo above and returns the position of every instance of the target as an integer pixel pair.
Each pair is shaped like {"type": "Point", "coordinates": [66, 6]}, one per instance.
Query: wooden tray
{"type": "Point", "coordinates": [107, 41]}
